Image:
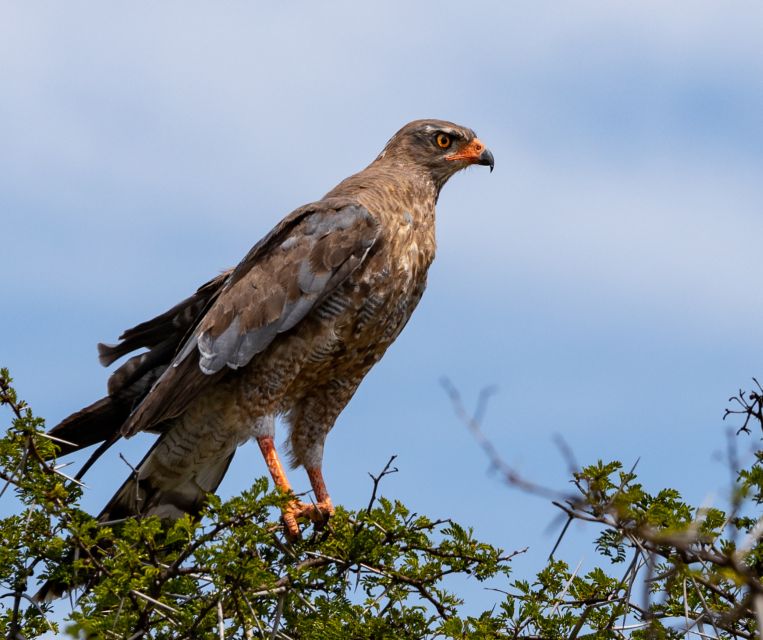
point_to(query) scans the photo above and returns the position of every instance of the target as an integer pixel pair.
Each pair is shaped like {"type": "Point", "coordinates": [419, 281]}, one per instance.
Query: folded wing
{"type": "Point", "coordinates": [278, 283]}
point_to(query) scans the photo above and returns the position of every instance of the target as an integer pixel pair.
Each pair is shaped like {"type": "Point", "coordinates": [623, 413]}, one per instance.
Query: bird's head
{"type": "Point", "coordinates": [438, 146]}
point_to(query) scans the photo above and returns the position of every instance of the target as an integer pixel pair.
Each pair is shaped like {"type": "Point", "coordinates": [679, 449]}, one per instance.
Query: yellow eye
{"type": "Point", "coordinates": [443, 140]}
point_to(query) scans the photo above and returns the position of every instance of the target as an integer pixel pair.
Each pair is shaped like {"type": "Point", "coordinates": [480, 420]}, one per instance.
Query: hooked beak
{"type": "Point", "coordinates": [474, 153]}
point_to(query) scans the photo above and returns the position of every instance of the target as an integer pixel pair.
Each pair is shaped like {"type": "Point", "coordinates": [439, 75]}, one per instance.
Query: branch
{"type": "Point", "coordinates": [473, 423]}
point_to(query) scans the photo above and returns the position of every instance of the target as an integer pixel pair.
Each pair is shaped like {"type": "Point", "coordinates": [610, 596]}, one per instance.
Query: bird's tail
{"type": "Point", "coordinates": [90, 425]}
{"type": "Point", "coordinates": [154, 490]}
{"type": "Point", "coordinates": [102, 421]}
{"type": "Point", "coordinates": [143, 495]}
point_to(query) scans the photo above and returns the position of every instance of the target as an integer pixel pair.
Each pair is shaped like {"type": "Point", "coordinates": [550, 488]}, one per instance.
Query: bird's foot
{"type": "Point", "coordinates": [318, 513]}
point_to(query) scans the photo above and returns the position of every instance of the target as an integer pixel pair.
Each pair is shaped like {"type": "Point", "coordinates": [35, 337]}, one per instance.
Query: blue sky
{"type": "Point", "coordinates": [603, 278]}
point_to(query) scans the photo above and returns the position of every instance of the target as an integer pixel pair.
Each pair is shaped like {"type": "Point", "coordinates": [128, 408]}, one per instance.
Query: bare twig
{"type": "Point", "coordinates": [220, 620]}
{"type": "Point", "coordinates": [473, 423]}
{"type": "Point", "coordinates": [156, 603]}
{"type": "Point", "coordinates": [277, 618]}
{"type": "Point", "coordinates": [388, 469]}
{"type": "Point", "coordinates": [560, 597]}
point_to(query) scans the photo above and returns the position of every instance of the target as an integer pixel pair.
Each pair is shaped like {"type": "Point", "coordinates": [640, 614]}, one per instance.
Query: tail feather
{"type": "Point", "coordinates": [90, 425]}
{"type": "Point", "coordinates": [170, 325]}
{"type": "Point", "coordinates": [131, 382]}
{"type": "Point", "coordinates": [144, 497]}
{"type": "Point", "coordinates": [147, 493]}
{"type": "Point", "coordinates": [135, 377]}
{"type": "Point", "coordinates": [102, 421]}
{"type": "Point", "coordinates": [144, 492]}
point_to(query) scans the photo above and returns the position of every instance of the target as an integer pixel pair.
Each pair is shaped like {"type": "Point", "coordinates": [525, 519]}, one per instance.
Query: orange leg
{"type": "Point", "coordinates": [268, 448]}
{"type": "Point", "coordinates": [318, 513]}
{"type": "Point", "coordinates": [323, 509]}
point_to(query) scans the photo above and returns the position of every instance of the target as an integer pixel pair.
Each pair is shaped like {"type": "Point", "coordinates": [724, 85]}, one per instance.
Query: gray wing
{"type": "Point", "coordinates": [270, 292]}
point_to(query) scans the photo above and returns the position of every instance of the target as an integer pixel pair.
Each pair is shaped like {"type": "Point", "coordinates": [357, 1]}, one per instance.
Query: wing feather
{"type": "Point", "coordinates": [277, 284]}
{"type": "Point", "coordinates": [131, 382]}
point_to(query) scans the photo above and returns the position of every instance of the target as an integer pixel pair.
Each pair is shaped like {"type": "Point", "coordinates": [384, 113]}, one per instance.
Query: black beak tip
{"type": "Point", "coordinates": [486, 159]}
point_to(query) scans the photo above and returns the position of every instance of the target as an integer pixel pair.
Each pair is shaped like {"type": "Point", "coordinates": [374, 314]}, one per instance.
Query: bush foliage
{"type": "Point", "coordinates": [667, 569]}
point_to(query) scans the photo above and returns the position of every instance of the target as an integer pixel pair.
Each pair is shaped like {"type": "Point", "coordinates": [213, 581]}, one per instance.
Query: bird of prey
{"type": "Point", "coordinates": [291, 331]}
